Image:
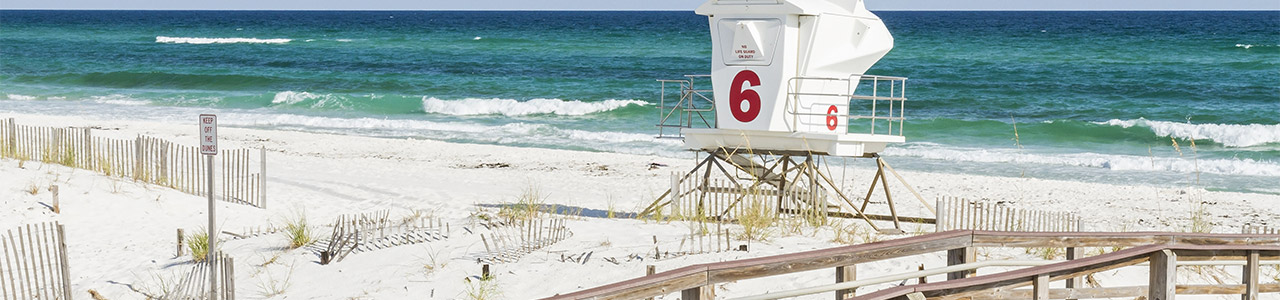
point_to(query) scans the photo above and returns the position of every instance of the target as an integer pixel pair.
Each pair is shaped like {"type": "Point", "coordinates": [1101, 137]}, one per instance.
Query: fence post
{"type": "Point", "coordinates": [960, 256]}
{"type": "Point", "coordinates": [939, 223]}
{"type": "Point", "coordinates": [229, 279]}
{"type": "Point", "coordinates": [53, 189]}
{"type": "Point", "coordinates": [137, 157]}
{"type": "Point", "coordinates": [846, 274]}
{"type": "Point", "coordinates": [88, 149]}
{"type": "Point", "coordinates": [180, 241]}
{"type": "Point", "coordinates": [13, 139]}
{"type": "Point", "coordinates": [1073, 282]}
{"type": "Point", "coordinates": [262, 180]}
{"type": "Point", "coordinates": [62, 249]}
{"type": "Point", "coordinates": [1164, 272]}
{"type": "Point", "coordinates": [698, 293]}
{"type": "Point", "coordinates": [1041, 287]}
{"type": "Point", "coordinates": [675, 194]}
{"type": "Point", "coordinates": [1250, 276]}
{"type": "Point", "coordinates": [649, 270]}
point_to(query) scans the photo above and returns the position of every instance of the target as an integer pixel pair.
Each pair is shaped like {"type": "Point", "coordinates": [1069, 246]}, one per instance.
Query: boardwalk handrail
{"type": "Point", "coordinates": [700, 275]}
{"type": "Point", "coordinates": [967, 287]}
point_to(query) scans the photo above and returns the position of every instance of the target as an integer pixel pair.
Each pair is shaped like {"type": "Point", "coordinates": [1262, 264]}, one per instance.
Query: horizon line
{"type": "Point", "coordinates": [620, 10]}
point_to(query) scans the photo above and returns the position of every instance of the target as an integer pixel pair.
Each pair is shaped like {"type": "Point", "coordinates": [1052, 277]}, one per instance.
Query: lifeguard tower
{"type": "Point", "coordinates": [787, 92]}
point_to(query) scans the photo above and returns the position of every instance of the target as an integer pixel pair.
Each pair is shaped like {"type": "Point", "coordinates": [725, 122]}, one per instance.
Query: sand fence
{"type": "Point", "coordinates": [1250, 229]}
{"type": "Point", "coordinates": [694, 198]}
{"type": "Point", "coordinates": [376, 230]}
{"type": "Point", "coordinates": [33, 263]}
{"type": "Point", "coordinates": [143, 158]}
{"type": "Point", "coordinates": [956, 213]}
{"type": "Point", "coordinates": [194, 283]}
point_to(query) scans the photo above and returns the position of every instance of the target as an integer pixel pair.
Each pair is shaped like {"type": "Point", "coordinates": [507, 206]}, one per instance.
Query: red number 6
{"type": "Point", "coordinates": [737, 95]}
{"type": "Point", "coordinates": [832, 121]}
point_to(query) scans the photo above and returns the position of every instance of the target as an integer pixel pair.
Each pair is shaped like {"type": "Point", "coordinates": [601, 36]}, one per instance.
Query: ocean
{"type": "Point", "coordinates": [1095, 96]}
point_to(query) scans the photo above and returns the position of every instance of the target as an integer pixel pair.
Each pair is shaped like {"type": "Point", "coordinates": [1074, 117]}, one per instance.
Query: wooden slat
{"type": "Point", "coordinates": [1126, 239]}
{"type": "Point", "coordinates": [840, 256]}
{"type": "Point", "coordinates": [1127, 292]}
{"type": "Point", "coordinates": [4, 265]}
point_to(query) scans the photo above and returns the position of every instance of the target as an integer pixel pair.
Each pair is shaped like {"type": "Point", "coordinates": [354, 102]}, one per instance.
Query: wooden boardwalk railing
{"type": "Point", "coordinates": [1162, 259]}
{"type": "Point", "coordinates": [698, 281]}
{"type": "Point", "coordinates": [143, 158]}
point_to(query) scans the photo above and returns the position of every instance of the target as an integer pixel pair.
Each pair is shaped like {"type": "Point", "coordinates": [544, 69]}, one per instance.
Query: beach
{"type": "Point", "coordinates": [324, 175]}
{"type": "Point", "coordinates": [510, 154]}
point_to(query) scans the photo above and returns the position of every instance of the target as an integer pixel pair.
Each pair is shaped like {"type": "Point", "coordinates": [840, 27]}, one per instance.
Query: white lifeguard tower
{"type": "Point", "coordinates": [787, 90]}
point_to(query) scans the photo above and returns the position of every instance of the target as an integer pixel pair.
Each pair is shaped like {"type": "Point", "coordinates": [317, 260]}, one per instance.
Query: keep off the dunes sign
{"type": "Point", "coordinates": [208, 134]}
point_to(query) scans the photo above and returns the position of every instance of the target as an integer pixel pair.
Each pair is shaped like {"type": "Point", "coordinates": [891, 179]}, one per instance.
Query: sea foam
{"type": "Point", "coordinates": [20, 97]}
{"type": "Point", "coordinates": [1230, 135]}
{"type": "Point", "coordinates": [510, 107]}
{"type": "Point", "coordinates": [1091, 160]}
{"type": "Point", "coordinates": [201, 40]}
{"type": "Point", "coordinates": [320, 100]}
{"type": "Point", "coordinates": [117, 99]}
{"type": "Point", "coordinates": [511, 133]}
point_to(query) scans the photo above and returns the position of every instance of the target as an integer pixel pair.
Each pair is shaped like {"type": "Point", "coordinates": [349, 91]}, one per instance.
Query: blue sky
{"type": "Point", "coordinates": [630, 5]}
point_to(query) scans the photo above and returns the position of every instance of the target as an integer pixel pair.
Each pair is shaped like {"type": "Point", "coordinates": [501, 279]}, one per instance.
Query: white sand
{"type": "Point", "coordinates": [120, 232]}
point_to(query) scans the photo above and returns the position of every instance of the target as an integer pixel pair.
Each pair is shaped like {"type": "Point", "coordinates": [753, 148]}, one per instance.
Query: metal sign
{"type": "Point", "coordinates": [208, 134]}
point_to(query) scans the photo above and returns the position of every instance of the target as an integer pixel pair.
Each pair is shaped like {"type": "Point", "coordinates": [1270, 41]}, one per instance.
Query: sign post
{"type": "Point", "coordinates": [209, 147]}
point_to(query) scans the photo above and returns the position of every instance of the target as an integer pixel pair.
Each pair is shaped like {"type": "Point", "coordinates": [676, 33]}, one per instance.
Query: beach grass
{"type": "Point", "coordinates": [271, 286]}
{"type": "Point", "coordinates": [485, 288]}
{"type": "Point", "coordinates": [297, 231]}
{"type": "Point", "coordinates": [529, 205]}
{"type": "Point", "coordinates": [198, 245]}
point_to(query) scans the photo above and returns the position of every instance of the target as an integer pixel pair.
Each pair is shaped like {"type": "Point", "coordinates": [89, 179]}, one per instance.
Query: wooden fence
{"type": "Point", "coordinates": [956, 213]}
{"type": "Point", "coordinates": [194, 284]}
{"type": "Point", "coordinates": [146, 159]}
{"type": "Point", "coordinates": [1162, 250]}
{"type": "Point", "coordinates": [727, 200]}
{"type": "Point", "coordinates": [376, 230]}
{"type": "Point", "coordinates": [1250, 229]}
{"type": "Point", "coordinates": [33, 263]}
{"type": "Point", "coordinates": [510, 241]}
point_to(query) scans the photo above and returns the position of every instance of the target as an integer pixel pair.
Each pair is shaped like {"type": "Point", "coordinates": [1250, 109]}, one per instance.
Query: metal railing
{"type": "Point", "coordinates": [883, 89]}
{"type": "Point", "coordinates": [693, 102]}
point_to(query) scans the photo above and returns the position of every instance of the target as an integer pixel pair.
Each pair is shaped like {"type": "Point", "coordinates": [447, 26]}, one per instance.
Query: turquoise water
{"type": "Point", "coordinates": [1097, 96]}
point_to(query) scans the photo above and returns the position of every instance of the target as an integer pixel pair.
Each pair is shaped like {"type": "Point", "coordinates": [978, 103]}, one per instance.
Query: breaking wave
{"type": "Point", "coordinates": [20, 97]}
{"type": "Point", "coordinates": [510, 107]}
{"type": "Point", "coordinates": [119, 100]}
{"type": "Point", "coordinates": [1092, 160]}
{"type": "Point", "coordinates": [312, 100]}
{"type": "Point", "coordinates": [1230, 135]}
{"type": "Point", "coordinates": [202, 41]}
{"type": "Point", "coordinates": [510, 134]}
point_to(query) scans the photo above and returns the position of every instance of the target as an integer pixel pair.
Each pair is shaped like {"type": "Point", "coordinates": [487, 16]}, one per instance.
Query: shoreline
{"type": "Point", "coordinates": [323, 176]}
{"type": "Point", "coordinates": [531, 161]}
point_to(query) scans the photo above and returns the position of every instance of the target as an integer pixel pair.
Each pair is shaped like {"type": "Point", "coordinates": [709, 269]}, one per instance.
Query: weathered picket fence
{"type": "Point", "coordinates": [1251, 229]}
{"type": "Point", "coordinates": [194, 283]}
{"type": "Point", "coordinates": [718, 199]}
{"type": "Point", "coordinates": [508, 241]}
{"type": "Point", "coordinates": [376, 230]}
{"type": "Point", "coordinates": [956, 213]}
{"type": "Point", "coordinates": [33, 263]}
{"type": "Point", "coordinates": [143, 158]}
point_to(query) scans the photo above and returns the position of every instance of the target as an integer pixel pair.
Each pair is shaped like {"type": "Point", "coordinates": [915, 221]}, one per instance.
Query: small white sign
{"type": "Point", "coordinates": [208, 134]}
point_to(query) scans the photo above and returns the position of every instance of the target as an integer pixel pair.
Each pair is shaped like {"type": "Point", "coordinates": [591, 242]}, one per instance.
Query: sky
{"type": "Point", "coordinates": [628, 5]}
